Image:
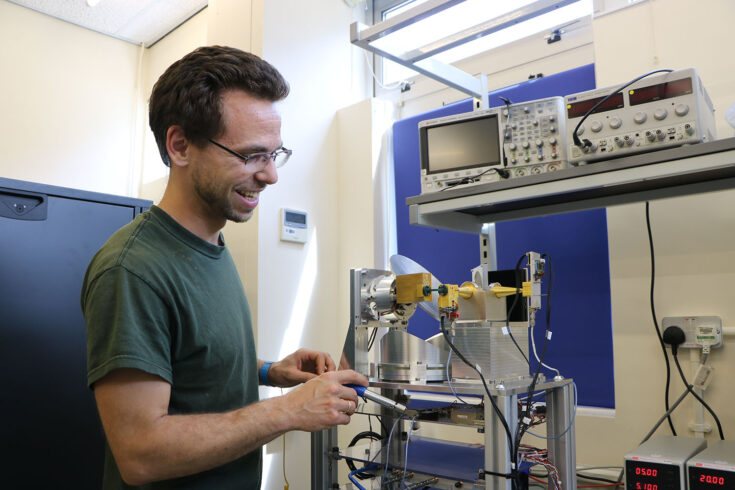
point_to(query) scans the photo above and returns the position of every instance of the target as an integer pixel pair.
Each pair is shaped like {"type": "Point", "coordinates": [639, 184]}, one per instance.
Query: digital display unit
{"type": "Point", "coordinates": [707, 478]}
{"type": "Point", "coordinates": [660, 91]}
{"type": "Point", "coordinates": [641, 475]}
{"type": "Point", "coordinates": [579, 109]}
{"type": "Point", "coordinates": [713, 468]}
{"type": "Point", "coordinates": [462, 144]}
{"type": "Point", "coordinates": [660, 463]}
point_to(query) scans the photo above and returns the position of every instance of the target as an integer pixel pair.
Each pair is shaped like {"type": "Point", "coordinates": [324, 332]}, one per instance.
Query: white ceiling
{"type": "Point", "coordinates": [134, 21]}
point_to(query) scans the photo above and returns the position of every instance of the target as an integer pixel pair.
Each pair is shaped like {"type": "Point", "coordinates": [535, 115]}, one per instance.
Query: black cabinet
{"type": "Point", "coordinates": [49, 427]}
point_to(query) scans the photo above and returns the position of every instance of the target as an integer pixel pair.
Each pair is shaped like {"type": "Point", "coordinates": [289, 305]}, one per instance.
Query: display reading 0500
{"type": "Point", "coordinates": [642, 475]}
{"type": "Point", "coordinates": [652, 472]}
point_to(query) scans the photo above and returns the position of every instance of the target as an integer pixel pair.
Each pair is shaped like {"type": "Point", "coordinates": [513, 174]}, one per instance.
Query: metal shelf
{"type": "Point", "coordinates": [667, 173]}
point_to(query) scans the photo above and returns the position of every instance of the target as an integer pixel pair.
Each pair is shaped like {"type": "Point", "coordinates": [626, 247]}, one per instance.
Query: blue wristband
{"type": "Point", "coordinates": [263, 373]}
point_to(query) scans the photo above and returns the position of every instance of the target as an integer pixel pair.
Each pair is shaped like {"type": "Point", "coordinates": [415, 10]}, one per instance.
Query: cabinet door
{"type": "Point", "coordinates": [50, 429]}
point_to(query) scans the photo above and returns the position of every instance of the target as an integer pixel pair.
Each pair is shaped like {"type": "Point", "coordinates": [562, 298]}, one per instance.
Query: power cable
{"type": "Point", "coordinates": [655, 322]}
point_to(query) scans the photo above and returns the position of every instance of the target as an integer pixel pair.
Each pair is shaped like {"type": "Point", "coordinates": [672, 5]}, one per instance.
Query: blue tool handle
{"type": "Point", "coordinates": [358, 388]}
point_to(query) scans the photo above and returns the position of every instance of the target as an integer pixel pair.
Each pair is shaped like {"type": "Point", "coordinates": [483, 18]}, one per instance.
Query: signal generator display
{"type": "Point", "coordinates": [660, 463]}
{"type": "Point", "coordinates": [463, 149]}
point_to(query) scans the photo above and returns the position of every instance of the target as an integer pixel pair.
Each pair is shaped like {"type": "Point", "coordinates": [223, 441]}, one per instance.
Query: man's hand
{"type": "Point", "coordinates": [299, 367]}
{"type": "Point", "coordinates": [324, 401]}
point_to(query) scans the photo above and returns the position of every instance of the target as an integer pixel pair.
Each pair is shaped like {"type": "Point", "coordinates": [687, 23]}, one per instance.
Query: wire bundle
{"type": "Point", "coordinates": [538, 456]}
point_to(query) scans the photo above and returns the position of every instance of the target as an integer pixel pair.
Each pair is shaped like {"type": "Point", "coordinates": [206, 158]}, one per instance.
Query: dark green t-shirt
{"type": "Point", "coordinates": [160, 299]}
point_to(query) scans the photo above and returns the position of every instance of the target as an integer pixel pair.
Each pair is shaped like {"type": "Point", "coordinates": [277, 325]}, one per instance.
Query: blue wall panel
{"type": "Point", "coordinates": [581, 344]}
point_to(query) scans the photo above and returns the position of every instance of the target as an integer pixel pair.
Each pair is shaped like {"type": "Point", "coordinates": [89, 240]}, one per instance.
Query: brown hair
{"type": "Point", "coordinates": [188, 94]}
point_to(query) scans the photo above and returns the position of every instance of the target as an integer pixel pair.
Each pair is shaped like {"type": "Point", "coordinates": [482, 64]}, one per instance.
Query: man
{"type": "Point", "coordinates": [171, 355]}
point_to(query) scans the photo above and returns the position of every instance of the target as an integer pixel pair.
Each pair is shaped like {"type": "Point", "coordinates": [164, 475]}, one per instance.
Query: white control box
{"type": "Point", "coordinates": [699, 330]}
{"type": "Point", "coordinates": [294, 225]}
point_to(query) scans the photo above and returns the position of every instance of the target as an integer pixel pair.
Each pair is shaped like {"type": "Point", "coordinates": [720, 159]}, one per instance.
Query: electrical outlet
{"type": "Point", "coordinates": [700, 330]}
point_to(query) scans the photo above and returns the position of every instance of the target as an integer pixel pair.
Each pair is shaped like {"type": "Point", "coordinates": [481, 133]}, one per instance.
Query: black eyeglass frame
{"type": "Point", "coordinates": [272, 155]}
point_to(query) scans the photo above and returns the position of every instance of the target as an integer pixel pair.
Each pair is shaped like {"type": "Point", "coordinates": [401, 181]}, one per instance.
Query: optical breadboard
{"type": "Point", "coordinates": [713, 468]}
{"type": "Point", "coordinates": [534, 136]}
{"type": "Point", "coordinates": [660, 463]}
{"type": "Point", "coordinates": [656, 112]}
{"type": "Point", "coordinates": [294, 225]}
{"type": "Point", "coordinates": [462, 149]}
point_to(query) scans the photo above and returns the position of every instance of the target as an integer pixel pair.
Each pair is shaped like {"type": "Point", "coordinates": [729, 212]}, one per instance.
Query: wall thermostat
{"type": "Point", "coordinates": [294, 225]}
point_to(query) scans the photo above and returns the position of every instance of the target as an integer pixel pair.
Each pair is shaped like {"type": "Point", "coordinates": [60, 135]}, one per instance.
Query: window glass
{"type": "Point", "coordinates": [463, 16]}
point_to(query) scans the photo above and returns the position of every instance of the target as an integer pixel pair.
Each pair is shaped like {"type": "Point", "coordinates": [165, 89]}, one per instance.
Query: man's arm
{"type": "Point", "coordinates": [150, 445]}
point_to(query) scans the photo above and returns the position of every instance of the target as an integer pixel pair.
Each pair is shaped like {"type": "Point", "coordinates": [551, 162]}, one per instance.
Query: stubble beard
{"type": "Point", "coordinates": [217, 200]}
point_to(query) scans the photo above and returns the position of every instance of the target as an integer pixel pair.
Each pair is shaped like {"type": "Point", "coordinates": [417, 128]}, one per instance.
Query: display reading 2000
{"type": "Point", "coordinates": [709, 478]}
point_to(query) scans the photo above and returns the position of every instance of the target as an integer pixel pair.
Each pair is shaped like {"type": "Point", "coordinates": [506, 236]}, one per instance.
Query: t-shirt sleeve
{"type": "Point", "coordinates": [127, 326]}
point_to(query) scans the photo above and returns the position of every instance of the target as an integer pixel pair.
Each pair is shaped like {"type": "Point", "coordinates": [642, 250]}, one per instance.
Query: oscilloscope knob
{"type": "Point", "coordinates": [596, 126]}
{"type": "Point", "coordinates": [615, 122]}
{"type": "Point", "coordinates": [640, 117]}
{"type": "Point", "coordinates": [526, 109]}
{"type": "Point", "coordinates": [660, 114]}
{"type": "Point", "coordinates": [552, 129]}
{"type": "Point", "coordinates": [513, 146]}
{"type": "Point", "coordinates": [539, 142]}
{"type": "Point", "coordinates": [526, 144]}
{"type": "Point", "coordinates": [552, 140]}
{"type": "Point", "coordinates": [681, 110]}
{"type": "Point", "coordinates": [552, 118]}
{"type": "Point", "coordinates": [650, 136]}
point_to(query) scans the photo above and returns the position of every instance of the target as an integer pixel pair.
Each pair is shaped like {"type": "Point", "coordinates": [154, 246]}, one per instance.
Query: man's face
{"type": "Point", "coordinates": [227, 187]}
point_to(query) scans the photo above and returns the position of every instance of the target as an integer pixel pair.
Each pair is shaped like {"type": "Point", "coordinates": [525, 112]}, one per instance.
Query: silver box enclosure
{"type": "Point", "coordinates": [485, 344]}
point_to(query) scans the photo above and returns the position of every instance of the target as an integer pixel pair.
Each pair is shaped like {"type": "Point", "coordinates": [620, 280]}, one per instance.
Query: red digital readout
{"type": "Point", "coordinates": [646, 486]}
{"type": "Point", "coordinates": [646, 471]}
{"type": "Point", "coordinates": [714, 480]}
{"type": "Point", "coordinates": [660, 91]}
{"type": "Point", "coordinates": [578, 109]}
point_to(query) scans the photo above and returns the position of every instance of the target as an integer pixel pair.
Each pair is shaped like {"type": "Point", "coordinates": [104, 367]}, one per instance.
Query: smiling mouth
{"type": "Point", "coordinates": [248, 194]}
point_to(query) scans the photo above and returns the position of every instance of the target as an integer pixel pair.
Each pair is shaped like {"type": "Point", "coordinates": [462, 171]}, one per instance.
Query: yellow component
{"type": "Point", "coordinates": [466, 290]}
{"type": "Point", "coordinates": [410, 287]}
{"type": "Point", "coordinates": [449, 300]}
{"type": "Point", "coordinates": [501, 291]}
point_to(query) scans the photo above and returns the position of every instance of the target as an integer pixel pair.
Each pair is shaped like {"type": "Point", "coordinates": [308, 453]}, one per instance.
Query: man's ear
{"type": "Point", "coordinates": [177, 146]}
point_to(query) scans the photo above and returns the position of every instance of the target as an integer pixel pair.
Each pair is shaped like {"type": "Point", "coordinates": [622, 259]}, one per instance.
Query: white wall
{"type": "Point", "coordinates": [693, 236]}
{"type": "Point", "coordinates": [67, 104]}
{"type": "Point", "coordinates": [298, 284]}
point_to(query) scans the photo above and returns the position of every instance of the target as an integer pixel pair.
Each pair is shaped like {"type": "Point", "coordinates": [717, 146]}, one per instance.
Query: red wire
{"type": "Point", "coordinates": [580, 486]}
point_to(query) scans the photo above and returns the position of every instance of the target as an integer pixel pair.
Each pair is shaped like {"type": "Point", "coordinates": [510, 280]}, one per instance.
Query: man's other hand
{"type": "Point", "coordinates": [299, 367]}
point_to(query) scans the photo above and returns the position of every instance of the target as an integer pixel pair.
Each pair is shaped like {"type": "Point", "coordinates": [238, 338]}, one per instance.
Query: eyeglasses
{"type": "Point", "coordinates": [260, 160]}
